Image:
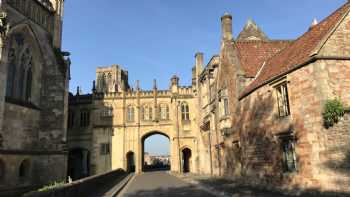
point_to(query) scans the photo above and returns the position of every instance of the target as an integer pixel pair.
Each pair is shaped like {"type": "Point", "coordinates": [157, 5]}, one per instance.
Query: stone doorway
{"type": "Point", "coordinates": [130, 159]}
{"type": "Point", "coordinates": [186, 160]}
{"type": "Point", "coordinates": [78, 163]}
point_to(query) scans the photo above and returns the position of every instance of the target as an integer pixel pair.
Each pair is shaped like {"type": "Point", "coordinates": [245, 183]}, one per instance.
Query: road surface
{"type": "Point", "coordinates": [160, 184]}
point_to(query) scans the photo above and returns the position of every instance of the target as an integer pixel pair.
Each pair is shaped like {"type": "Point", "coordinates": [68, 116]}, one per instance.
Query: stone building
{"type": "Point", "coordinates": [34, 79]}
{"type": "Point", "coordinates": [253, 113]}
{"type": "Point", "coordinates": [107, 129]}
{"type": "Point", "coordinates": [270, 97]}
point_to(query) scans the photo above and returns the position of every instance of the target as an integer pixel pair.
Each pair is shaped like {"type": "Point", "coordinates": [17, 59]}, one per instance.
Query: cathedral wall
{"type": "Point", "coordinates": [34, 131]}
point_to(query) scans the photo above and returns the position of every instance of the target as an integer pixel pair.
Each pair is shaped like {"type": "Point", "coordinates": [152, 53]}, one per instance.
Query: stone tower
{"type": "Point", "coordinates": [111, 79]}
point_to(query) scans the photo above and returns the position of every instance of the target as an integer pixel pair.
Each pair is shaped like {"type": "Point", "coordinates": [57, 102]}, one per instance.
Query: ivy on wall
{"type": "Point", "coordinates": [333, 111]}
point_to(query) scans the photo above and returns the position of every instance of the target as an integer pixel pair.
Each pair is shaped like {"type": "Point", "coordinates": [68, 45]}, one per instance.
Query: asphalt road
{"type": "Point", "coordinates": [160, 184]}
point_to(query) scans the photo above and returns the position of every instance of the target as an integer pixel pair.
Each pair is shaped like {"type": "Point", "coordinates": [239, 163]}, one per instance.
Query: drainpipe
{"type": "Point", "coordinates": [210, 154]}
{"type": "Point", "coordinates": [178, 134]}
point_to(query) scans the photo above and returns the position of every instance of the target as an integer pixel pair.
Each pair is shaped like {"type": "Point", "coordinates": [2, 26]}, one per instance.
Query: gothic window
{"type": "Point", "coordinates": [24, 169]}
{"type": "Point", "coordinates": [107, 111]}
{"type": "Point", "coordinates": [84, 118]}
{"type": "Point", "coordinates": [164, 112]}
{"type": "Point", "coordinates": [110, 81]}
{"type": "Point", "coordinates": [282, 100]}
{"type": "Point", "coordinates": [20, 71]}
{"type": "Point", "coordinates": [11, 71]}
{"type": "Point", "coordinates": [130, 114]}
{"type": "Point", "coordinates": [104, 148]}
{"type": "Point", "coordinates": [146, 113]}
{"type": "Point", "coordinates": [185, 112]}
{"type": "Point", "coordinates": [289, 156]}
{"type": "Point", "coordinates": [224, 103]}
{"type": "Point", "coordinates": [28, 74]}
{"type": "Point", "coordinates": [71, 117]}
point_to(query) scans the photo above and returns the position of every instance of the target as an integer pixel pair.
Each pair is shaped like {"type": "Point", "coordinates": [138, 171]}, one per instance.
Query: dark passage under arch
{"type": "Point", "coordinates": [130, 159]}
{"type": "Point", "coordinates": [186, 160]}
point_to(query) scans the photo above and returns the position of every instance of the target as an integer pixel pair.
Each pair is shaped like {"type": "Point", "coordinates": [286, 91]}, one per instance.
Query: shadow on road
{"type": "Point", "coordinates": [190, 191]}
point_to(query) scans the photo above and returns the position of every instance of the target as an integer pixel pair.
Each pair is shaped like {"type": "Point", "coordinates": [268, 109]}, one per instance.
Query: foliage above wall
{"type": "Point", "coordinates": [333, 110]}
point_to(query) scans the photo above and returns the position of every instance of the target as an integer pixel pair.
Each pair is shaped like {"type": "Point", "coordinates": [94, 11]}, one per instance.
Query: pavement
{"type": "Point", "coordinates": [161, 184]}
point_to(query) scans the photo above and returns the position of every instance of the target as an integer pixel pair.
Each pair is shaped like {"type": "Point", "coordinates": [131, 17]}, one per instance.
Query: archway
{"type": "Point", "coordinates": [186, 160]}
{"type": "Point", "coordinates": [78, 163]}
{"type": "Point", "coordinates": [130, 159]}
{"type": "Point", "coordinates": [155, 152]}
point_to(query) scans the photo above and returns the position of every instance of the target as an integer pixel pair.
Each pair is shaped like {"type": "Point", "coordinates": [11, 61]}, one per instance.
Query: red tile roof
{"type": "Point", "coordinates": [297, 53]}
{"type": "Point", "coordinates": [252, 54]}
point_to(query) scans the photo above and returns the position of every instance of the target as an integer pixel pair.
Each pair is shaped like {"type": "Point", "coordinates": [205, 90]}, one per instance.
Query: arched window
{"type": "Point", "coordinates": [146, 113]}
{"type": "Point", "coordinates": [24, 169]}
{"type": "Point", "coordinates": [28, 81]}
{"type": "Point", "coordinates": [19, 70]}
{"type": "Point", "coordinates": [185, 111]}
{"type": "Point", "coordinates": [110, 81]}
{"type": "Point", "coordinates": [130, 114]}
{"type": "Point", "coordinates": [164, 112]}
{"type": "Point", "coordinates": [11, 73]}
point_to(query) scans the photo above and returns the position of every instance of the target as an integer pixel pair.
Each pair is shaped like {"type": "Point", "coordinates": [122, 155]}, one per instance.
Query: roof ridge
{"type": "Point", "coordinates": [262, 41]}
{"type": "Point", "coordinates": [298, 52]}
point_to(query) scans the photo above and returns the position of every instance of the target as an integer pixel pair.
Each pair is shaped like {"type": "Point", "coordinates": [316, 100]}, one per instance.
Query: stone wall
{"type": "Point", "coordinates": [34, 129]}
{"type": "Point", "coordinates": [83, 187]}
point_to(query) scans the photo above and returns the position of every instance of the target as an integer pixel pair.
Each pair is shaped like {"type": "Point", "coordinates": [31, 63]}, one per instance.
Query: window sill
{"type": "Point", "coordinates": [186, 122]}
{"type": "Point", "coordinates": [225, 117]}
{"type": "Point", "coordinates": [21, 103]}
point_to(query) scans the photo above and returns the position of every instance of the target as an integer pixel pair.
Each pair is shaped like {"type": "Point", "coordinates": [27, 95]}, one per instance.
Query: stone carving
{"type": "Point", "coordinates": [4, 26]}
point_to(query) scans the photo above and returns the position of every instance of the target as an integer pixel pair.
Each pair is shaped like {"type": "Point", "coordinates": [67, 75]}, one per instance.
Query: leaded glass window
{"type": "Point", "coordinates": [289, 156]}
{"type": "Point", "coordinates": [282, 99]}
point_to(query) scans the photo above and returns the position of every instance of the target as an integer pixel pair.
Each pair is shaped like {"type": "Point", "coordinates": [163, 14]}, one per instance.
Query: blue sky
{"type": "Point", "coordinates": [158, 38]}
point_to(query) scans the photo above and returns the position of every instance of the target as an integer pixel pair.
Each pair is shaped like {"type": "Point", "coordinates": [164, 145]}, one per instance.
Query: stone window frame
{"type": "Point", "coordinates": [164, 111]}
{"type": "Point", "coordinates": [288, 151]}
{"type": "Point", "coordinates": [20, 70]}
{"type": "Point", "coordinates": [185, 111]}
{"type": "Point", "coordinates": [130, 113]}
{"type": "Point", "coordinates": [84, 118]}
{"type": "Point", "coordinates": [146, 112]}
{"type": "Point", "coordinates": [282, 97]}
{"type": "Point", "coordinates": [105, 149]}
{"type": "Point", "coordinates": [224, 103]}
{"type": "Point", "coordinates": [107, 111]}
